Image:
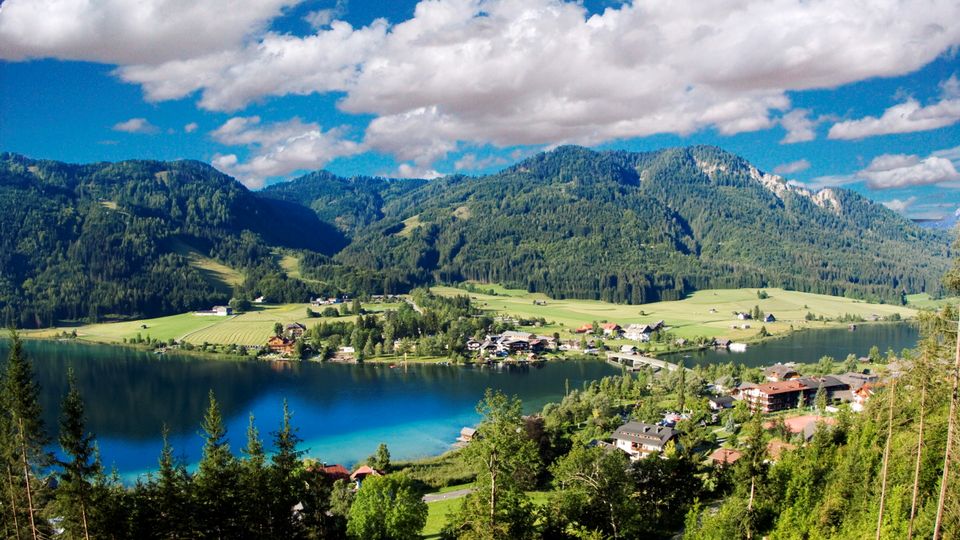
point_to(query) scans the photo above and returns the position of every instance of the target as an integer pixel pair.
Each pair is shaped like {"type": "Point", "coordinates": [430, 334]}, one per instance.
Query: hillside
{"type": "Point", "coordinates": [136, 238]}
{"type": "Point", "coordinates": [641, 227]}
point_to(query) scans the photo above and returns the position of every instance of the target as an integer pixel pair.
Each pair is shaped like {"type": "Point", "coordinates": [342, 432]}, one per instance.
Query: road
{"type": "Point", "coordinates": [434, 497]}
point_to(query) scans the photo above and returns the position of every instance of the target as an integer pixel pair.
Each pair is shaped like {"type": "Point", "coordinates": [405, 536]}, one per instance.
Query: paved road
{"type": "Point", "coordinates": [434, 497]}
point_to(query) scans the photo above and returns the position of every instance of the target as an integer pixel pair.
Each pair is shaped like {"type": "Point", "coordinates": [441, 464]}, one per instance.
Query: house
{"type": "Point", "coordinates": [628, 349]}
{"type": "Point", "coordinates": [638, 332]}
{"type": "Point", "coordinates": [216, 311]}
{"type": "Point", "coordinates": [639, 440]}
{"type": "Point", "coordinates": [259, 300]}
{"type": "Point", "coordinates": [861, 396]}
{"type": "Point", "coordinates": [467, 434]}
{"type": "Point", "coordinates": [294, 330]}
{"type": "Point", "coordinates": [744, 316]}
{"type": "Point", "coordinates": [473, 345]}
{"type": "Point", "coordinates": [680, 342]}
{"type": "Point", "coordinates": [360, 474]}
{"type": "Point", "coordinates": [769, 318]}
{"type": "Point", "coordinates": [857, 380]}
{"type": "Point", "coordinates": [780, 372]}
{"type": "Point", "coordinates": [611, 329]}
{"type": "Point", "coordinates": [778, 396]}
{"type": "Point", "coordinates": [549, 342]}
{"type": "Point", "coordinates": [585, 329]}
{"type": "Point", "coordinates": [512, 334]}
{"type": "Point", "coordinates": [347, 350]}
{"type": "Point", "coordinates": [724, 456]}
{"type": "Point", "coordinates": [721, 343]}
{"type": "Point", "coordinates": [718, 403]}
{"type": "Point", "coordinates": [281, 345]}
{"type": "Point", "coordinates": [333, 472]}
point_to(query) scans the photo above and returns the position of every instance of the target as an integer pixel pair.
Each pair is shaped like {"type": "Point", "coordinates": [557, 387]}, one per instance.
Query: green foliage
{"type": "Point", "coordinates": [381, 459]}
{"type": "Point", "coordinates": [387, 508]}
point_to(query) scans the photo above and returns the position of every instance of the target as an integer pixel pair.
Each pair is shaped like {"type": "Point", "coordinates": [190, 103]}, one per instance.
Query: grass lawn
{"type": "Point", "coordinates": [704, 313]}
{"type": "Point", "coordinates": [251, 328]}
{"type": "Point", "coordinates": [438, 511]}
{"type": "Point", "coordinates": [924, 301]}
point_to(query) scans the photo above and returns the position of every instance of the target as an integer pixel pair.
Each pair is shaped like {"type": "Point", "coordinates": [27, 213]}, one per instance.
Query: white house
{"type": "Point", "coordinates": [639, 440]}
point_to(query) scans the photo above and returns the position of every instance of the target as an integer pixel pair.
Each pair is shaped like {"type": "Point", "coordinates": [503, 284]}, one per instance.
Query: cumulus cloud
{"type": "Point", "coordinates": [191, 127]}
{"type": "Point", "coordinates": [129, 32]}
{"type": "Point", "coordinates": [323, 17]}
{"type": "Point", "coordinates": [900, 171]}
{"type": "Point", "coordinates": [471, 162]}
{"type": "Point", "coordinates": [513, 72]}
{"type": "Point", "coordinates": [278, 149]}
{"type": "Point", "coordinates": [905, 117]}
{"type": "Point", "coordinates": [792, 167]}
{"type": "Point", "coordinates": [800, 127]}
{"type": "Point", "coordinates": [406, 170]}
{"type": "Point", "coordinates": [900, 205]}
{"type": "Point", "coordinates": [136, 125]}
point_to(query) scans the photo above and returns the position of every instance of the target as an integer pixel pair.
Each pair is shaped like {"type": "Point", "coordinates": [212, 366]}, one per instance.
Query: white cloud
{"type": "Point", "coordinates": [792, 167]}
{"type": "Point", "coordinates": [136, 125]}
{"type": "Point", "coordinates": [278, 149]}
{"type": "Point", "coordinates": [471, 162]}
{"type": "Point", "coordinates": [323, 17]}
{"type": "Point", "coordinates": [406, 170]}
{"type": "Point", "coordinates": [521, 72]}
{"type": "Point", "coordinates": [191, 127]}
{"type": "Point", "coordinates": [905, 117]}
{"type": "Point", "coordinates": [129, 32]}
{"type": "Point", "coordinates": [800, 127]}
{"type": "Point", "coordinates": [900, 205]}
{"type": "Point", "coordinates": [900, 171]}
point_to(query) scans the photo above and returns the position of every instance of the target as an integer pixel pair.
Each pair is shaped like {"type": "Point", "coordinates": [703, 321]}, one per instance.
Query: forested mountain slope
{"type": "Point", "coordinates": [638, 227]}
{"type": "Point", "coordinates": [88, 241]}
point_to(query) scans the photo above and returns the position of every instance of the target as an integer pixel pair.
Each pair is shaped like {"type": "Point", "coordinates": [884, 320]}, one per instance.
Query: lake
{"type": "Point", "coordinates": [342, 411]}
{"type": "Point", "coordinates": [808, 346]}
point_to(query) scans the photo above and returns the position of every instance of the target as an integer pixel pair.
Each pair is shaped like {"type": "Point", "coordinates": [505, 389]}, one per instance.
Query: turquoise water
{"type": "Point", "coordinates": [342, 411]}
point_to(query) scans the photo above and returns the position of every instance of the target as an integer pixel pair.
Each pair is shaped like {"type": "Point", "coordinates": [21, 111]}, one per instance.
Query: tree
{"type": "Point", "coordinates": [254, 484]}
{"type": "Point", "coordinates": [286, 491]}
{"type": "Point", "coordinates": [357, 308]}
{"type": "Point", "coordinates": [216, 478]}
{"type": "Point", "coordinates": [277, 328]}
{"type": "Point", "coordinates": [381, 459]}
{"type": "Point", "coordinates": [874, 354]}
{"type": "Point", "coordinates": [387, 508]}
{"type": "Point", "coordinates": [820, 399]}
{"type": "Point", "coordinates": [506, 462]}
{"type": "Point", "coordinates": [24, 437]}
{"type": "Point", "coordinates": [74, 491]}
{"type": "Point", "coordinates": [172, 494]}
{"type": "Point", "coordinates": [594, 493]}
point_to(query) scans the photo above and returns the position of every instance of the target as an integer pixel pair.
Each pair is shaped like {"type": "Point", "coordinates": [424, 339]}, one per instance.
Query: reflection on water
{"type": "Point", "coordinates": [810, 345]}
{"type": "Point", "coordinates": [342, 411]}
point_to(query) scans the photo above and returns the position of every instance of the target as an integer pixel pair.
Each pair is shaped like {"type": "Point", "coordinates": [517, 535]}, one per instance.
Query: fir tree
{"type": "Point", "coordinates": [74, 490]}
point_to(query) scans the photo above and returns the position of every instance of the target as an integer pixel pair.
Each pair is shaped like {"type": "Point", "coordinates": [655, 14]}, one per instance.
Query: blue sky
{"type": "Point", "coordinates": [825, 93]}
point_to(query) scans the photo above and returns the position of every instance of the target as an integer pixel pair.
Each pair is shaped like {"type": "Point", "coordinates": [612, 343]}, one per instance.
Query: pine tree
{"type": "Point", "coordinates": [286, 491]}
{"type": "Point", "coordinates": [172, 493]}
{"type": "Point", "coordinates": [254, 484]}
{"type": "Point", "coordinates": [74, 491]}
{"type": "Point", "coordinates": [24, 438]}
{"type": "Point", "coordinates": [216, 479]}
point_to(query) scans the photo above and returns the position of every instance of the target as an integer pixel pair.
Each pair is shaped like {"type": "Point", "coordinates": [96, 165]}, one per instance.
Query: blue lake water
{"type": "Point", "coordinates": [342, 411]}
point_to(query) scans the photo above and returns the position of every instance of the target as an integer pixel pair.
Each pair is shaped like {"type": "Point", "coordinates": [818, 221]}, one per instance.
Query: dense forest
{"type": "Point", "coordinates": [144, 238]}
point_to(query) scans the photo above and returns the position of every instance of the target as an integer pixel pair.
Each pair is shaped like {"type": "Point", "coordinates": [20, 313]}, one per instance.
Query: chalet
{"type": "Point", "coordinates": [718, 403]}
{"type": "Point", "coordinates": [611, 329]}
{"type": "Point", "coordinates": [512, 334]}
{"type": "Point", "coordinates": [724, 456]}
{"type": "Point", "coordinates": [861, 396]}
{"type": "Point", "coordinates": [473, 345]}
{"type": "Point", "coordinates": [281, 345]}
{"type": "Point", "coordinates": [549, 342]}
{"type": "Point", "coordinates": [721, 343]}
{"type": "Point", "coordinates": [360, 474]}
{"type": "Point", "coordinates": [638, 332]}
{"type": "Point", "coordinates": [639, 440]}
{"type": "Point", "coordinates": [780, 372]}
{"type": "Point", "coordinates": [333, 472]}
{"type": "Point", "coordinates": [744, 316]}
{"type": "Point", "coordinates": [782, 395]}
{"type": "Point", "coordinates": [769, 318]}
{"type": "Point", "coordinates": [857, 380]}
{"type": "Point", "coordinates": [585, 329]}
{"type": "Point", "coordinates": [294, 330]}
{"type": "Point", "coordinates": [514, 345]}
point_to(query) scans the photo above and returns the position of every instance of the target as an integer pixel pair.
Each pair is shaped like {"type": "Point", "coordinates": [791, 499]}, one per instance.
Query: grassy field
{"type": "Point", "coordinates": [924, 301]}
{"type": "Point", "coordinates": [704, 313]}
{"type": "Point", "coordinates": [219, 275]}
{"type": "Point", "coordinates": [439, 510]}
{"type": "Point", "coordinates": [251, 328]}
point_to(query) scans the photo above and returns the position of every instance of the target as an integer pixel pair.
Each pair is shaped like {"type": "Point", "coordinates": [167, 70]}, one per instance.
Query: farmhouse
{"type": "Point", "coordinates": [216, 311]}
{"type": "Point", "coordinates": [780, 372]}
{"type": "Point", "coordinates": [294, 330]}
{"type": "Point", "coordinates": [639, 440]}
{"type": "Point", "coordinates": [585, 329]}
{"type": "Point", "coordinates": [611, 329]}
{"type": "Point", "coordinates": [744, 316]}
{"type": "Point", "coordinates": [281, 345]}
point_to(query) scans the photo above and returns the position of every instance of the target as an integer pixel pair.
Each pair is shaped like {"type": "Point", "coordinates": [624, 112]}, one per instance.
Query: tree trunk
{"type": "Point", "coordinates": [951, 425]}
{"type": "Point", "coordinates": [13, 501]}
{"type": "Point", "coordinates": [83, 516]}
{"type": "Point", "coordinates": [916, 469]}
{"type": "Point", "coordinates": [886, 457]}
{"type": "Point", "coordinates": [753, 484]}
{"type": "Point", "coordinates": [26, 480]}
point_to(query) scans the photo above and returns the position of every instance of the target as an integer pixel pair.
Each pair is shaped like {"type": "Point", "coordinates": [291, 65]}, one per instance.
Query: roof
{"type": "Point", "coordinates": [296, 325]}
{"type": "Point", "coordinates": [725, 456]}
{"type": "Point", "coordinates": [365, 471]}
{"type": "Point", "coordinates": [610, 326]}
{"type": "Point", "coordinates": [721, 400]}
{"type": "Point", "coordinates": [780, 370]}
{"type": "Point", "coordinates": [512, 334]}
{"type": "Point", "coordinates": [777, 447]}
{"type": "Point", "coordinates": [468, 431]}
{"type": "Point", "coordinates": [334, 471]}
{"type": "Point", "coordinates": [781, 387]}
{"type": "Point", "coordinates": [644, 433]}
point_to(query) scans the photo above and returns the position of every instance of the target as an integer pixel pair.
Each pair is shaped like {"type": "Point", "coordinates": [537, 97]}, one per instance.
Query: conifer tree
{"type": "Point", "coordinates": [74, 491]}
{"type": "Point", "coordinates": [254, 484]}
{"type": "Point", "coordinates": [172, 493]}
{"type": "Point", "coordinates": [216, 479]}
{"type": "Point", "coordinates": [285, 491]}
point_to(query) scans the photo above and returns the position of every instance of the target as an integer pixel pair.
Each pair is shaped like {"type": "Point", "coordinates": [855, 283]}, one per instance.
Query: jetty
{"type": "Point", "coordinates": [634, 361]}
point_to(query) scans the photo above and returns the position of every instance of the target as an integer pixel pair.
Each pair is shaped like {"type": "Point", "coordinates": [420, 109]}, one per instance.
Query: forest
{"type": "Point", "coordinates": [135, 239]}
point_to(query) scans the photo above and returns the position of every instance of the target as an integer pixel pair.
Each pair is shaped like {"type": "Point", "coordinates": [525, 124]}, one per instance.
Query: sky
{"type": "Point", "coordinates": [853, 93]}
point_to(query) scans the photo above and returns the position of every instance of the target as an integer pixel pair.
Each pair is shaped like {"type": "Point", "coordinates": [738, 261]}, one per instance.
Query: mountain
{"type": "Point", "coordinates": [640, 227]}
{"type": "Point", "coordinates": [145, 238]}
{"type": "Point", "coordinates": [136, 238]}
